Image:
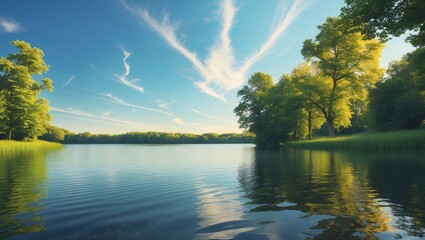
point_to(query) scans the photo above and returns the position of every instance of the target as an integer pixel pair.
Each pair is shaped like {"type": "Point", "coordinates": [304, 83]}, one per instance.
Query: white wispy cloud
{"type": "Point", "coordinates": [114, 99]}
{"type": "Point", "coordinates": [94, 120]}
{"type": "Point", "coordinates": [102, 118]}
{"type": "Point", "coordinates": [10, 26]}
{"type": "Point", "coordinates": [165, 105]}
{"type": "Point", "coordinates": [213, 117]}
{"type": "Point", "coordinates": [219, 71]}
{"type": "Point", "coordinates": [69, 81]}
{"type": "Point", "coordinates": [297, 7]}
{"type": "Point", "coordinates": [109, 97]}
{"type": "Point", "coordinates": [123, 78]}
{"type": "Point", "coordinates": [107, 114]}
{"type": "Point", "coordinates": [162, 104]}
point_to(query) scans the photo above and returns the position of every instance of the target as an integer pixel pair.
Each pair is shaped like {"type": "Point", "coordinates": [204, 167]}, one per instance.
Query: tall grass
{"type": "Point", "coordinates": [388, 141]}
{"type": "Point", "coordinates": [15, 147]}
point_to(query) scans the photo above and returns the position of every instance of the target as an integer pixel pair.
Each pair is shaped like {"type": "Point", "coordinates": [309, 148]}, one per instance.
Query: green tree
{"type": "Point", "coordinates": [53, 134]}
{"type": "Point", "coordinates": [386, 18]}
{"type": "Point", "coordinates": [382, 18]}
{"type": "Point", "coordinates": [399, 101]}
{"type": "Point", "coordinates": [251, 107]}
{"type": "Point", "coordinates": [309, 92]}
{"type": "Point", "coordinates": [348, 65]}
{"type": "Point", "coordinates": [283, 117]}
{"type": "Point", "coordinates": [25, 116]}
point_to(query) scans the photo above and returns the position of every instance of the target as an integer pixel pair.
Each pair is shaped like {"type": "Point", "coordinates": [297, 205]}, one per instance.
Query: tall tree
{"type": "Point", "coordinates": [309, 93]}
{"type": "Point", "coordinates": [251, 107]}
{"type": "Point", "coordinates": [348, 65]}
{"type": "Point", "coordinates": [382, 18]}
{"type": "Point", "coordinates": [25, 115]}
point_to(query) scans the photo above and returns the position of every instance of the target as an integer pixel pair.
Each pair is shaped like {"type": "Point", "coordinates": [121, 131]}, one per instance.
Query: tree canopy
{"type": "Point", "coordinates": [348, 65]}
{"type": "Point", "coordinates": [23, 114]}
{"type": "Point", "coordinates": [309, 93]}
{"type": "Point", "coordinates": [383, 18]}
{"type": "Point", "coordinates": [341, 83]}
{"type": "Point", "coordinates": [399, 101]}
{"type": "Point", "coordinates": [251, 107]}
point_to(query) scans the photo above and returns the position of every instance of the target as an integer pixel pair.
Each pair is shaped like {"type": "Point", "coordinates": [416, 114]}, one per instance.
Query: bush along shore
{"type": "Point", "coordinates": [16, 147]}
{"type": "Point", "coordinates": [387, 141]}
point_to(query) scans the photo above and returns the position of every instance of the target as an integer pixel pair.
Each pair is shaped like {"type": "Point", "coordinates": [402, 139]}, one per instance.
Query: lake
{"type": "Point", "coordinates": [210, 192]}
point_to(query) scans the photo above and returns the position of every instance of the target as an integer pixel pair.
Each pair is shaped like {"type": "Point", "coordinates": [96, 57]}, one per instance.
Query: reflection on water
{"type": "Point", "coordinates": [401, 180]}
{"type": "Point", "coordinates": [363, 196]}
{"type": "Point", "coordinates": [221, 213]}
{"type": "Point", "coordinates": [210, 192]}
{"type": "Point", "coordinates": [21, 179]}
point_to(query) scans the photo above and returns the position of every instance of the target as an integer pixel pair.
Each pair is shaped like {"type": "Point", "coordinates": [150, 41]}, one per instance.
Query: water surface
{"type": "Point", "coordinates": [210, 192]}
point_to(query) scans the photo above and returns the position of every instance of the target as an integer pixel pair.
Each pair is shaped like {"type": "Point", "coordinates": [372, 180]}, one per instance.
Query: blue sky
{"type": "Point", "coordinates": [158, 65]}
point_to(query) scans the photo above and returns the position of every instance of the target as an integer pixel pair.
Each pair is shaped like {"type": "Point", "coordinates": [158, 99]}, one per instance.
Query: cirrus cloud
{"type": "Point", "coordinates": [220, 71]}
{"type": "Point", "coordinates": [123, 78]}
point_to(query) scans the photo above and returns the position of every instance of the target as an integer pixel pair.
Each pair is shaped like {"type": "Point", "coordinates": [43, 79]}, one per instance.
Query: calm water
{"type": "Point", "coordinates": [210, 192]}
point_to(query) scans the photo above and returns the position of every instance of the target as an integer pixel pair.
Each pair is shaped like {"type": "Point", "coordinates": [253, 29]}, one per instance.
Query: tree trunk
{"type": "Point", "coordinates": [331, 127]}
{"type": "Point", "coordinates": [10, 134]}
{"type": "Point", "coordinates": [310, 131]}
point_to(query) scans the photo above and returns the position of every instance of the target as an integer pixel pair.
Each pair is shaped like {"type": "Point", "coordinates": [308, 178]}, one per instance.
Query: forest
{"type": "Point", "coordinates": [340, 86]}
{"type": "Point", "coordinates": [55, 134]}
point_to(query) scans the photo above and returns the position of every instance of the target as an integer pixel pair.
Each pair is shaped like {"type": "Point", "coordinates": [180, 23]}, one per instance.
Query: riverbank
{"type": "Point", "coordinates": [387, 141]}
{"type": "Point", "coordinates": [9, 147]}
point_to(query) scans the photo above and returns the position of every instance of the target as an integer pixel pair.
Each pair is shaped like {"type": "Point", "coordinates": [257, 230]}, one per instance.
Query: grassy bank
{"type": "Point", "coordinates": [12, 147]}
{"type": "Point", "coordinates": [388, 141]}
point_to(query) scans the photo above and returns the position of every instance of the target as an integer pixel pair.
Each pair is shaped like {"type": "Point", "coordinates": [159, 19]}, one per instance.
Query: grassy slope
{"type": "Point", "coordinates": [7, 147]}
{"type": "Point", "coordinates": [388, 141]}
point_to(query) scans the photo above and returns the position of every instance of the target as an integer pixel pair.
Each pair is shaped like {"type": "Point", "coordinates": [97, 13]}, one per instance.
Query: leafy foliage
{"type": "Point", "coordinates": [339, 78]}
{"type": "Point", "coordinates": [348, 66]}
{"type": "Point", "coordinates": [399, 101]}
{"type": "Point", "coordinates": [309, 93]}
{"type": "Point", "coordinates": [277, 113]}
{"type": "Point", "coordinates": [251, 107]}
{"type": "Point", "coordinates": [53, 134]}
{"type": "Point", "coordinates": [23, 115]}
{"type": "Point", "coordinates": [382, 18]}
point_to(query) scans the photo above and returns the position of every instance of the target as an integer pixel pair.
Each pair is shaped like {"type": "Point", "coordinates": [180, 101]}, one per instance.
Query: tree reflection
{"type": "Point", "coordinates": [21, 179]}
{"type": "Point", "coordinates": [400, 178]}
{"type": "Point", "coordinates": [317, 183]}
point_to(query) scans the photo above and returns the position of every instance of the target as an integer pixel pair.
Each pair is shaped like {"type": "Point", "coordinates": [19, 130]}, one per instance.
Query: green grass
{"type": "Point", "coordinates": [15, 147]}
{"type": "Point", "coordinates": [388, 141]}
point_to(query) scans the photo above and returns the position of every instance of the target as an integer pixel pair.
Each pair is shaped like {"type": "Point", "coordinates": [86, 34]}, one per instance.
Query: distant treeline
{"type": "Point", "coordinates": [55, 134]}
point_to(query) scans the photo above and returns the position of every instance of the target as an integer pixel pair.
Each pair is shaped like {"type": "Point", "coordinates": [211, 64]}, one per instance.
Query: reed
{"type": "Point", "coordinates": [15, 147]}
{"type": "Point", "coordinates": [387, 141]}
